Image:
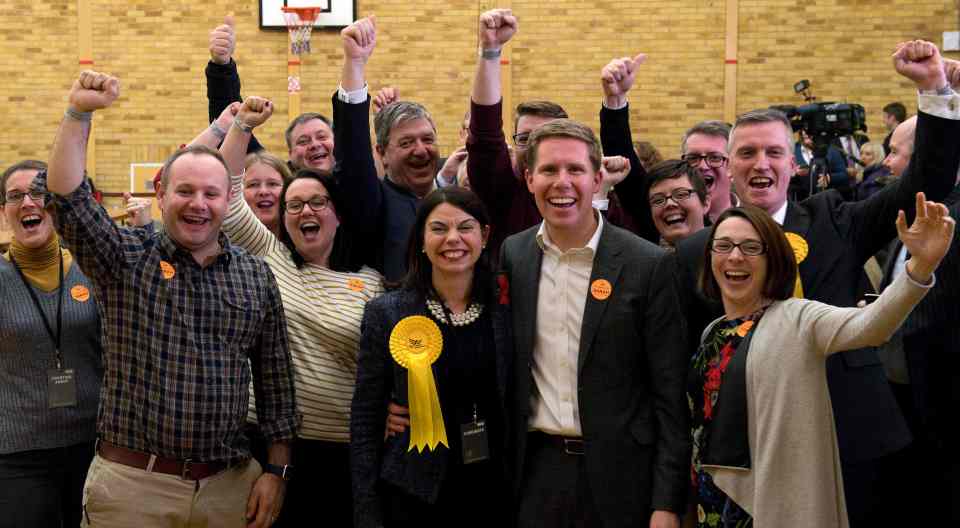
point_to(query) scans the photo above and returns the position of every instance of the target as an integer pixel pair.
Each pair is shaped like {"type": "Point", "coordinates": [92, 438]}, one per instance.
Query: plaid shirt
{"type": "Point", "coordinates": [181, 341]}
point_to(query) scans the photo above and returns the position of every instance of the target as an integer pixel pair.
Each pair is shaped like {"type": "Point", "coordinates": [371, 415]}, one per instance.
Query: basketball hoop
{"type": "Point", "coordinates": [299, 23]}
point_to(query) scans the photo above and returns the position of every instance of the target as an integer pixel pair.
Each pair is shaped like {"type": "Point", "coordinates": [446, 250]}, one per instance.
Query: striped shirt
{"type": "Point", "coordinates": [181, 342]}
{"type": "Point", "coordinates": [324, 309]}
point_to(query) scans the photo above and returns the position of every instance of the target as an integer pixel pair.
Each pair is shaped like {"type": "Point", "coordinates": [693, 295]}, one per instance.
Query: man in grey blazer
{"type": "Point", "coordinates": [599, 418]}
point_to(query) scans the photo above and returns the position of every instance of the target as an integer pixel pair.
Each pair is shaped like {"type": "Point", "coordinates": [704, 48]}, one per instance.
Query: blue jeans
{"type": "Point", "coordinates": [43, 488]}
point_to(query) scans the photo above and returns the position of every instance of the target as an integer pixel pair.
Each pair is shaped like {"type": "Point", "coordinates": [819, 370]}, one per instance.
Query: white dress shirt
{"type": "Point", "coordinates": [563, 289]}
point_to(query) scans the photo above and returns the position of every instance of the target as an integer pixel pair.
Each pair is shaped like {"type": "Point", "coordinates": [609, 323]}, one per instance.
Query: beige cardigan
{"type": "Point", "coordinates": [795, 478]}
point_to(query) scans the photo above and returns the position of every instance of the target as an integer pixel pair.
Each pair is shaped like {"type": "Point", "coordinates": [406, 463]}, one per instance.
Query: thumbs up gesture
{"type": "Point", "coordinates": [93, 91]}
{"type": "Point", "coordinates": [617, 79]}
{"type": "Point", "coordinates": [223, 40]}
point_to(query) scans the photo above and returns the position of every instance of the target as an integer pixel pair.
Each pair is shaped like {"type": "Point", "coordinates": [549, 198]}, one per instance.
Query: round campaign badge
{"type": "Point", "coordinates": [355, 285]}
{"type": "Point", "coordinates": [80, 293]}
{"type": "Point", "coordinates": [601, 289]}
{"type": "Point", "coordinates": [167, 270]}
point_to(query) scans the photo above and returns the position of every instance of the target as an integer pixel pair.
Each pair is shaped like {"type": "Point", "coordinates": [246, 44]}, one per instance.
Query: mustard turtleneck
{"type": "Point", "coordinates": [41, 266]}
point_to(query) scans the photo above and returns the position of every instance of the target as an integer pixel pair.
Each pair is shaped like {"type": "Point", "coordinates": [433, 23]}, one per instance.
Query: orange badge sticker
{"type": "Point", "coordinates": [601, 289]}
{"type": "Point", "coordinates": [355, 284]}
{"type": "Point", "coordinates": [80, 293]}
{"type": "Point", "coordinates": [167, 269]}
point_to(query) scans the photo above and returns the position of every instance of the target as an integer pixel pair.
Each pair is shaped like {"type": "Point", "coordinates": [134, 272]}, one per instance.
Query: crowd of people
{"type": "Point", "coordinates": [560, 330]}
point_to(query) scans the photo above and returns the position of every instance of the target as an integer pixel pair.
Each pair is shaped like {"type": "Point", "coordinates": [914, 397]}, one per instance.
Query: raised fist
{"type": "Point", "coordinates": [385, 96]}
{"type": "Point", "coordinates": [920, 61]}
{"type": "Point", "coordinates": [613, 169]}
{"type": "Point", "coordinates": [255, 111]}
{"type": "Point", "coordinates": [618, 75]}
{"type": "Point", "coordinates": [359, 39]}
{"type": "Point", "coordinates": [93, 91]}
{"type": "Point", "coordinates": [496, 28]}
{"type": "Point", "coordinates": [223, 40]}
{"type": "Point", "coordinates": [952, 69]}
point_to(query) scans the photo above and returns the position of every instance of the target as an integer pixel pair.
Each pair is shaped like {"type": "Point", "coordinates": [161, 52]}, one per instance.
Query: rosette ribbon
{"type": "Point", "coordinates": [800, 251]}
{"type": "Point", "coordinates": [415, 343]}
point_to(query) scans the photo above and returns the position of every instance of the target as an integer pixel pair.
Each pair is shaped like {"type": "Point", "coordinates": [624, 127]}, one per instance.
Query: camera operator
{"type": "Point", "coordinates": [833, 176]}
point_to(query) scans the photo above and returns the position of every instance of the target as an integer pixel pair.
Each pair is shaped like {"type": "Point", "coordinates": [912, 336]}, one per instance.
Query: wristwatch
{"type": "Point", "coordinates": [285, 471]}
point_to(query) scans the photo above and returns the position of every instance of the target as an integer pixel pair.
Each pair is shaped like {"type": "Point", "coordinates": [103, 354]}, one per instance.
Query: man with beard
{"type": "Point", "coordinates": [832, 240]}
{"type": "Point", "coordinates": [309, 136]}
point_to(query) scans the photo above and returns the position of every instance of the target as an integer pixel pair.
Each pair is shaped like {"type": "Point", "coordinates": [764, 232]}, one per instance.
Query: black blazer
{"type": "Point", "coordinates": [841, 237]}
{"type": "Point", "coordinates": [379, 380]}
{"type": "Point", "coordinates": [633, 410]}
{"type": "Point", "coordinates": [931, 339]}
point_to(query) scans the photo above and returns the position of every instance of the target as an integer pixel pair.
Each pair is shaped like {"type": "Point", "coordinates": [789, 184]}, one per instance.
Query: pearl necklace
{"type": "Point", "coordinates": [467, 317]}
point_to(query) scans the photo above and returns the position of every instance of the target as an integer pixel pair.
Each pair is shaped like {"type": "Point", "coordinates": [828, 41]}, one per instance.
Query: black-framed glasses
{"type": "Point", "coordinates": [713, 159]}
{"type": "Point", "coordinates": [749, 247]}
{"type": "Point", "coordinates": [317, 204]}
{"type": "Point", "coordinates": [39, 197]}
{"type": "Point", "coordinates": [522, 139]}
{"type": "Point", "coordinates": [678, 195]}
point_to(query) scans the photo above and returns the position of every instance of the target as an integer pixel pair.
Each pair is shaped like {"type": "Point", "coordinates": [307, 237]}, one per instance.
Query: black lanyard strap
{"type": "Point", "coordinates": [36, 302]}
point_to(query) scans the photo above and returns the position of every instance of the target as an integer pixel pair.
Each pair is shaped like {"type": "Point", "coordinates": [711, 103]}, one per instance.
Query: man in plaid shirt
{"type": "Point", "coordinates": [188, 320]}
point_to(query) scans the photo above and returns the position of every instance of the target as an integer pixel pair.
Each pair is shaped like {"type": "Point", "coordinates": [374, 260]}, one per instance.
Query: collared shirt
{"type": "Point", "coordinates": [181, 342]}
{"type": "Point", "coordinates": [781, 214]}
{"type": "Point", "coordinates": [563, 289]}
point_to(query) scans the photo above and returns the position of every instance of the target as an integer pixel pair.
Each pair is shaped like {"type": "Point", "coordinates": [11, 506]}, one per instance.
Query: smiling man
{"type": "Point", "coordinates": [599, 405]}
{"type": "Point", "coordinates": [832, 240]}
{"type": "Point", "coordinates": [188, 321]}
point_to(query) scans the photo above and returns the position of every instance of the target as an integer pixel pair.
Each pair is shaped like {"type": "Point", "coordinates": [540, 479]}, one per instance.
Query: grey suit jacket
{"type": "Point", "coordinates": [631, 376]}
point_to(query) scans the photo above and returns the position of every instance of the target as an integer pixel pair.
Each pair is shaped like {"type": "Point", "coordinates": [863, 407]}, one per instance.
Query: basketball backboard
{"type": "Point", "coordinates": [333, 13]}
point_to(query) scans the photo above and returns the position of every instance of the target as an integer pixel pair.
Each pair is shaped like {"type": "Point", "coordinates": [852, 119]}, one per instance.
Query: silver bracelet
{"type": "Point", "coordinates": [84, 117]}
{"type": "Point", "coordinates": [217, 131]}
{"type": "Point", "coordinates": [490, 53]}
{"type": "Point", "coordinates": [242, 126]}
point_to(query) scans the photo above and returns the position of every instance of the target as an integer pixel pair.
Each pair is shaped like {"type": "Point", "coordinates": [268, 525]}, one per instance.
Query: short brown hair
{"type": "Point", "coordinates": [196, 150]}
{"type": "Point", "coordinates": [29, 164]}
{"type": "Point", "coordinates": [671, 169]}
{"type": "Point", "coordinates": [539, 109]}
{"type": "Point", "coordinates": [563, 128]}
{"type": "Point", "coordinates": [759, 117]}
{"type": "Point", "coordinates": [781, 262]}
{"type": "Point", "coordinates": [706, 128]}
{"type": "Point", "coordinates": [301, 119]}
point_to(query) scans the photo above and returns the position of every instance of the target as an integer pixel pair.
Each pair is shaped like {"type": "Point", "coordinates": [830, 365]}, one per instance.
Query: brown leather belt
{"type": "Point", "coordinates": [569, 445]}
{"type": "Point", "coordinates": [185, 469]}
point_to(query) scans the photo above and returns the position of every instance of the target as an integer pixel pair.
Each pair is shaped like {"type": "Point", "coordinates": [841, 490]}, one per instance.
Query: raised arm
{"type": "Point", "coordinates": [355, 170]}
{"type": "Point", "coordinates": [223, 79]}
{"type": "Point", "coordinates": [933, 164]}
{"type": "Point", "coordinates": [927, 240]}
{"type": "Point", "coordinates": [617, 78]}
{"type": "Point", "coordinates": [489, 168]}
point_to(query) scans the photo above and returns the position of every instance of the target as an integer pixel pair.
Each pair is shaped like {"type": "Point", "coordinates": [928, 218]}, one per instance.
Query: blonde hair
{"type": "Point", "coordinates": [275, 163]}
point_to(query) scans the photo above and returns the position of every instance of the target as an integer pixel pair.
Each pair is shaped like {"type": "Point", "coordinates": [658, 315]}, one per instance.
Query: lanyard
{"type": "Point", "coordinates": [36, 302]}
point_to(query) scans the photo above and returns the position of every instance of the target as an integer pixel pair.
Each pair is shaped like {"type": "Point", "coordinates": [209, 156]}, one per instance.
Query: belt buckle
{"type": "Point", "coordinates": [573, 446]}
{"type": "Point", "coordinates": [185, 470]}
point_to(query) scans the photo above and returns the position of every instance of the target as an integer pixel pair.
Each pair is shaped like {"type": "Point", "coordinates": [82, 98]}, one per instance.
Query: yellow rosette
{"type": "Point", "coordinates": [415, 343]}
{"type": "Point", "coordinates": [800, 250]}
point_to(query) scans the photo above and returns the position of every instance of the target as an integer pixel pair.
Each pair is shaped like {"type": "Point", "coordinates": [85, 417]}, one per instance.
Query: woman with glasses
{"type": "Point", "coordinates": [678, 200]}
{"type": "Point", "coordinates": [50, 363]}
{"type": "Point", "coordinates": [764, 443]}
{"type": "Point", "coordinates": [319, 261]}
{"type": "Point", "coordinates": [442, 338]}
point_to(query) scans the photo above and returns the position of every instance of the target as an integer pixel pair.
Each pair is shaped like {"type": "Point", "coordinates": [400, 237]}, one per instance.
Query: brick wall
{"type": "Point", "coordinates": [427, 49]}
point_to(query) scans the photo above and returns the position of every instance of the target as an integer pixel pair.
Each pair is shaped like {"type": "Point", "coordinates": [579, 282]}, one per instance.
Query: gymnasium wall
{"type": "Point", "coordinates": [428, 50]}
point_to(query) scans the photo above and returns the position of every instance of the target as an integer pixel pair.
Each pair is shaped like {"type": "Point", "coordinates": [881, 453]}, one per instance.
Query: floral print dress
{"type": "Point", "coordinates": [714, 508]}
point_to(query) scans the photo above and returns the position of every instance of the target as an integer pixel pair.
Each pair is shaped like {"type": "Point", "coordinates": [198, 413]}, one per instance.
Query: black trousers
{"type": "Point", "coordinates": [555, 491]}
{"type": "Point", "coordinates": [43, 488]}
{"type": "Point", "coordinates": [319, 493]}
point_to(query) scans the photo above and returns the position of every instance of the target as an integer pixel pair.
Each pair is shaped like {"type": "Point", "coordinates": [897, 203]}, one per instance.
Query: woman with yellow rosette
{"type": "Point", "coordinates": [764, 445]}
{"type": "Point", "coordinates": [438, 344]}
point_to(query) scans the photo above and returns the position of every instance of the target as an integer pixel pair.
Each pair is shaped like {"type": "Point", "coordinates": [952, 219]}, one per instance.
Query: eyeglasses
{"type": "Point", "coordinates": [678, 195]}
{"type": "Point", "coordinates": [317, 204]}
{"type": "Point", "coordinates": [749, 248]}
{"type": "Point", "coordinates": [521, 140]}
{"type": "Point", "coordinates": [39, 197]}
{"type": "Point", "coordinates": [713, 160]}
